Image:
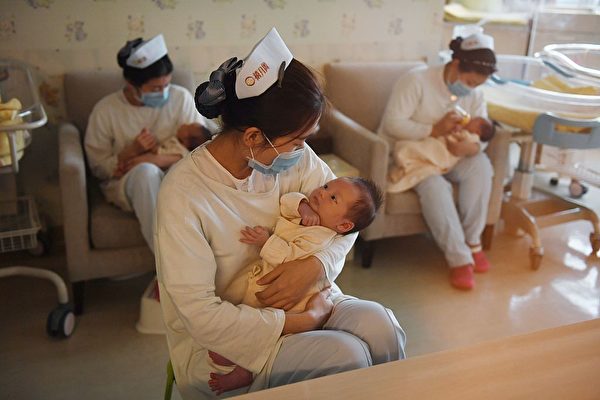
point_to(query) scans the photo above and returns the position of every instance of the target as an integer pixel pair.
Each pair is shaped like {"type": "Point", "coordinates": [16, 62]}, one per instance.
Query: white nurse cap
{"type": "Point", "coordinates": [477, 41]}
{"type": "Point", "coordinates": [148, 52]}
{"type": "Point", "coordinates": [263, 67]}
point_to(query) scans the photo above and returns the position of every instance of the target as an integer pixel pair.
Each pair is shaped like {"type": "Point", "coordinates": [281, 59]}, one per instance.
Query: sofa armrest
{"type": "Point", "coordinates": [497, 152]}
{"type": "Point", "coordinates": [358, 146]}
{"type": "Point", "coordinates": [71, 171]}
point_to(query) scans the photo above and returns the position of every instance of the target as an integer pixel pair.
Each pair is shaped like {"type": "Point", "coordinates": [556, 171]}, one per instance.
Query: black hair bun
{"type": "Point", "coordinates": [210, 95]}
{"type": "Point", "coordinates": [210, 109]}
{"type": "Point", "coordinates": [455, 44]}
{"type": "Point", "coordinates": [126, 50]}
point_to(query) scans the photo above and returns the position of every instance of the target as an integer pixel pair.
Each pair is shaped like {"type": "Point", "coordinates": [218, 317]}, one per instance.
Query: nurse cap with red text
{"type": "Point", "coordinates": [261, 69]}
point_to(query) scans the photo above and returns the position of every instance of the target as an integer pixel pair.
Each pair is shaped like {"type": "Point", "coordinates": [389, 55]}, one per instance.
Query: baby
{"type": "Point", "coordinates": [416, 160]}
{"type": "Point", "coordinates": [306, 225]}
{"type": "Point", "coordinates": [187, 138]}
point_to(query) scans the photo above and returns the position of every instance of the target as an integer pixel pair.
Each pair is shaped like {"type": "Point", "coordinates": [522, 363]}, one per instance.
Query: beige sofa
{"type": "Point", "coordinates": [359, 93]}
{"type": "Point", "coordinates": [101, 240]}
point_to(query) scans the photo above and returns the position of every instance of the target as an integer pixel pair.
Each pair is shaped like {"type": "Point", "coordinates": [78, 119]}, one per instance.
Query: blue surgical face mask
{"type": "Point", "coordinates": [155, 99]}
{"type": "Point", "coordinates": [458, 88]}
{"type": "Point", "coordinates": [282, 161]}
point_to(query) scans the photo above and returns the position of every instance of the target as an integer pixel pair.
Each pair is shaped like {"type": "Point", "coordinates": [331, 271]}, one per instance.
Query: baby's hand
{"type": "Point", "coordinates": [257, 235]}
{"type": "Point", "coordinates": [308, 215]}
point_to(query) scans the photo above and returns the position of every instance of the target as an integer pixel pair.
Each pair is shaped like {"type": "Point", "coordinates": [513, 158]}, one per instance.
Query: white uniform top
{"type": "Point", "coordinates": [418, 100]}
{"type": "Point", "coordinates": [200, 212]}
{"type": "Point", "coordinates": [114, 123]}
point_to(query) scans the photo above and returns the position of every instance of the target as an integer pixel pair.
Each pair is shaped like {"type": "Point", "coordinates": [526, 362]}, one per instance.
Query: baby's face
{"type": "Point", "coordinates": [332, 202]}
{"type": "Point", "coordinates": [474, 125]}
{"type": "Point", "coordinates": [191, 135]}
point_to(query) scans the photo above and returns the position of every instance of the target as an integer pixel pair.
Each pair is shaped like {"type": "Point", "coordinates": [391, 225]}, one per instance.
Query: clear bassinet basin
{"type": "Point", "coordinates": [525, 87]}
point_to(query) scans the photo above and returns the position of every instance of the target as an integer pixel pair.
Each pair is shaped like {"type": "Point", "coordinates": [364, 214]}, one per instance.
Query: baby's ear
{"type": "Point", "coordinates": [345, 226]}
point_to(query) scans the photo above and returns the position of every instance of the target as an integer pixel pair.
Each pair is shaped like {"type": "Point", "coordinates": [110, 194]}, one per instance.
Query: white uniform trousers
{"type": "Point", "coordinates": [141, 188]}
{"type": "Point", "coordinates": [358, 334]}
{"type": "Point", "coordinates": [453, 228]}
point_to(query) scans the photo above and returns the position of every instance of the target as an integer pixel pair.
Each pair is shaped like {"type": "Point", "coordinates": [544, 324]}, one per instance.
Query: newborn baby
{"type": "Point", "coordinates": [416, 160]}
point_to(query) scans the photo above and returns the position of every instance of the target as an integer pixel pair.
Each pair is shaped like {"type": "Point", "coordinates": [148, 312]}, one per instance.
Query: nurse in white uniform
{"type": "Point", "coordinates": [125, 126]}
{"type": "Point", "coordinates": [424, 103]}
{"type": "Point", "coordinates": [269, 105]}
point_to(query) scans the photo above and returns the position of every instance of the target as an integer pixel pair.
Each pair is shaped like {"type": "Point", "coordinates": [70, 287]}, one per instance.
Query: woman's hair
{"type": "Point", "coordinates": [294, 104]}
{"type": "Point", "coordinates": [138, 76]}
{"type": "Point", "coordinates": [481, 61]}
{"type": "Point", "coordinates": [363, 211]}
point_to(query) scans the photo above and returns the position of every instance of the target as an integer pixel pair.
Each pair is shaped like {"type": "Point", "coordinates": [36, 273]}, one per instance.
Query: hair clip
{"type": "Point", "coordinates": [280, 73]}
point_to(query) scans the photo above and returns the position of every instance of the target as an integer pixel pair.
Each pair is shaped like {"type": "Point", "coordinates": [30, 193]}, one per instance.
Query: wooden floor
{"type": "Point", "coordinates": [107, 358]}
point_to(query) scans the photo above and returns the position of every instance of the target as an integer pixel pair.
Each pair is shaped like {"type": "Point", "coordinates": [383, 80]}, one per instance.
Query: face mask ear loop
{"type": "Point", "coordinates": [137, 93]}
{"type": "Point", "coordinates": [274, 148]}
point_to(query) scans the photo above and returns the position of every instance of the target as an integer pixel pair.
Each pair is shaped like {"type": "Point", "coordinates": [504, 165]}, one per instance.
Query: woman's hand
{"type": "Point", "coordinates": [145, 141]}
{"type": "Point", "coordinates": [317, 312]}
{"type": "Point", "coordinates": [447, 124]}
{"type": "Point", "coordinates": [290, 282]}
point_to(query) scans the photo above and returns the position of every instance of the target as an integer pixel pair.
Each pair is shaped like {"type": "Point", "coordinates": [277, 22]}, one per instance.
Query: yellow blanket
{"type": "Point", "coordinates": [8, 117]}
{"type": "Point", "coordinates": [525, 119]}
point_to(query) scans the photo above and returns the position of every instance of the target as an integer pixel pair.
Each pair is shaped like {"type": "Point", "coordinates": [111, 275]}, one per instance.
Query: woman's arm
{"type": "Point", "coordinates": [143, 142]}
{"type": "Point", "coordinates": [98, 144]}
{"type": "Point", "coordinates": [162, 161]}
{"type": "Point", "coordinates": [397, 121]}
{"type": "Point", "coordinates": [187, 270]}
{"type": "Point", "coordinates": [318, 310]}
{"type": "Point", "coordinates": [289, 282]}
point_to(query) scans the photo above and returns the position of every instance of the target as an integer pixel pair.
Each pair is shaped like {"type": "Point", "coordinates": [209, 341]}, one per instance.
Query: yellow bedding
{"type": "Point", "coordinates": [525, 119]}
{"type": "Point", "coordinates": [455, 12]}
{"type": "Point", "coordinates": [8, 117]}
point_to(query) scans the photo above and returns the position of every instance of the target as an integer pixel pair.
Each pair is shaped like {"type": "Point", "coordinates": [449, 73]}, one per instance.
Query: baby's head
{"type": "Point", "coordinates": [191, 135]}
{"type": "Point", "coordinates": [481, 127]}
{"type": "Point", "coordinates": [346, 205]}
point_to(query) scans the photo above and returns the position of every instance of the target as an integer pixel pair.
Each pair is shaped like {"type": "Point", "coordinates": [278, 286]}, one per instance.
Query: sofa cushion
{"type": "Point", "coordinates": [112, 228]}
{"type": "Point", "coordinates": [402, 203]}
{"type": "Point", "coordinates": [361, 89]}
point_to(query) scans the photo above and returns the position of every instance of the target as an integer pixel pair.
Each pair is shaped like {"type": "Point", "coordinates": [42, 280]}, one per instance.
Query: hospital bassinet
{"type": "Point", "coordinates": [19, 221]}
{"type": "Point", "coordinates": [552, 105]}
{"type": "Point", "coordinates": [514, 99]}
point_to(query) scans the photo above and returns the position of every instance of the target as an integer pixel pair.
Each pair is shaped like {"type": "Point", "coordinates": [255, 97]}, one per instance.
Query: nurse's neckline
{"type": "Point", "coordinates": [221, 149]}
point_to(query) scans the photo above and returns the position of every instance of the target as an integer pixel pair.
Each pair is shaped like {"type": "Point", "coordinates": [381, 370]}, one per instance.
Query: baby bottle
{"type": "Point", "coordinates": [454, 106]}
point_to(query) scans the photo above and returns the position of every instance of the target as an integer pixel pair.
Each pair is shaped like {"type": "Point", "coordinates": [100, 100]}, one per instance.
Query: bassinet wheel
{"type": "Point", "coordinates": [595, 242]}
{"type": "Point", "coordinates": [535, 257]}
{"type": "Point", "coordinates": [61, 322]}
